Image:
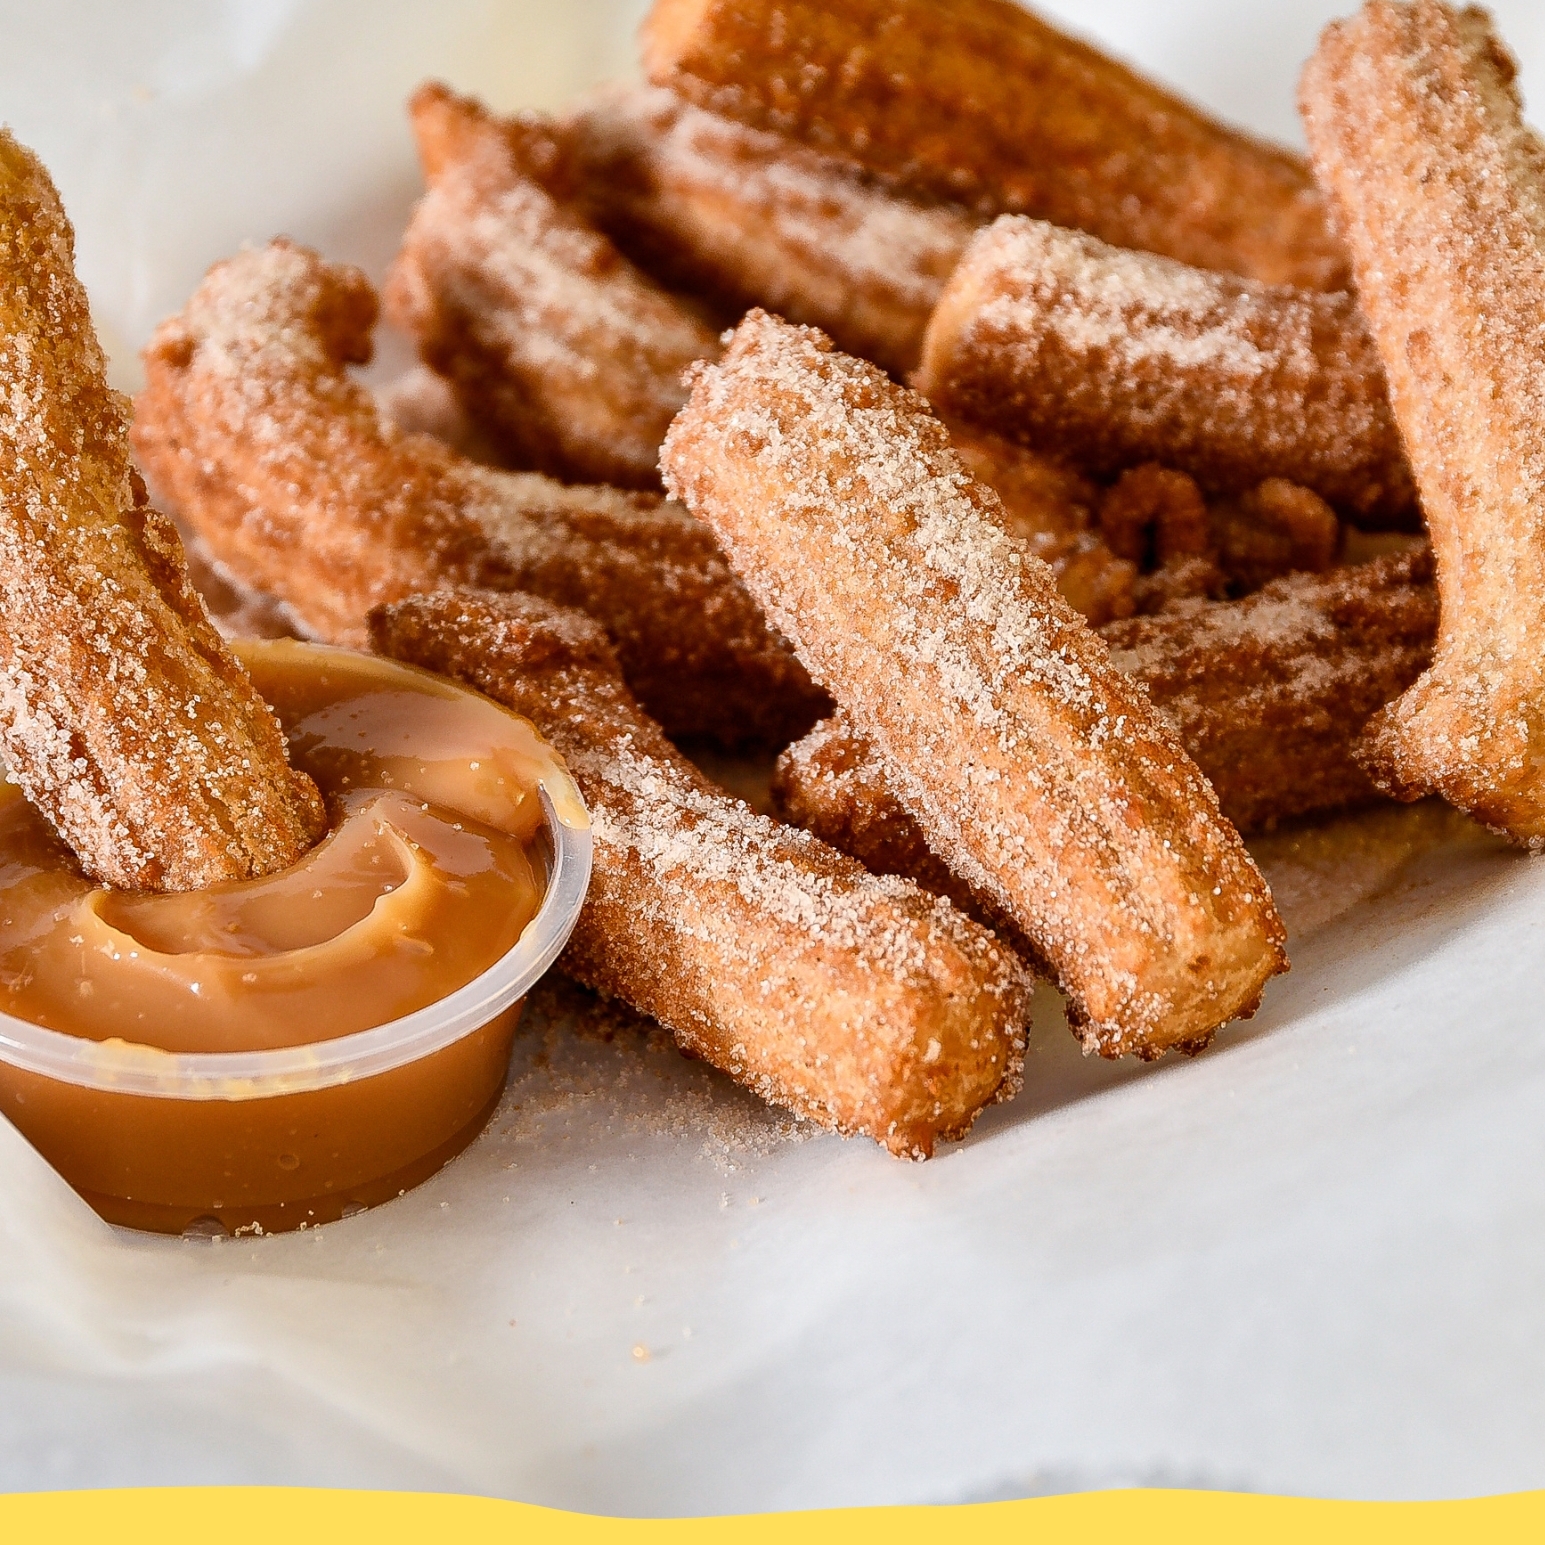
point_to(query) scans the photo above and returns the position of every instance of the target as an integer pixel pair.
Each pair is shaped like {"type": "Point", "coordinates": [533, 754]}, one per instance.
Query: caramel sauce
{"type": "Point", "coordinates": [423, 881]}
{"type": "Point", "coordinates": [429, 873]}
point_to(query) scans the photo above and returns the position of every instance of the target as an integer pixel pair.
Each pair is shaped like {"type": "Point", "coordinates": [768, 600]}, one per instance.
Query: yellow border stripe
{"type": "Point", "coordinates": [254, 1515]}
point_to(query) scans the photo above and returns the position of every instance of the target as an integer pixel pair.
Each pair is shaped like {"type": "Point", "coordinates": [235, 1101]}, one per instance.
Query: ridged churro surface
{"type": "Point", "coordinates": [1041, 774]}
{"type": "Point", "coordinates": [561, 351]}
{"type": "Point", "coordinates": [123, 716]}
{"type": "Point", "coordinates": [1268, 693]}
{"type": "Point", "coordinates": [982, 101]}
{"type": "Point", "coordinates": [251, 425]}
{"type": "Point", "coordinates": [755, 219]}
{"type": "Point", "coordinates": [1417, 133]}
{"type": "Point", "coordinates": [1113, 357]}
{"type": "Point", "coordinates": [862, 1003]}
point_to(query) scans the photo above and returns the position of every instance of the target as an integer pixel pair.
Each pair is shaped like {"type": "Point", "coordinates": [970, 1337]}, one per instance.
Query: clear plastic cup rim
{"type": "Point", "coordinates": [120, 1067]}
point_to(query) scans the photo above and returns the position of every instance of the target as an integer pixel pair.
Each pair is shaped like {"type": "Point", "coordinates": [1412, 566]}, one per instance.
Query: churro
{"type": "Point", "coordinates": [564, 354]}
{"type": "Point", "coordinates": [1416, 130]}
{"type": "Point", "coordinates": [833, 784]}
{"type": "Point", "coordinates": [123, 716]}
{"type": "Point", "coordinates": [754, 219]}
{"type": "Point", "coordinates": [1041, 774]}
{"type": "Point", "coordinates": [1050, 507]}
{"type": "Point", "coordinates": [1188, 549]}
{"type": "Point", "coordinates": [981, 101]}
{"type": "Point", "coordinates": [862, 1003]}
{"type": "Point", "coordinates": [251, 426]}
{"type": "Point", "coordinates": [1114, 357]}
{"type": "Point", "coordinates": [1268, 694]}
{"type": "Point", "coordinates": [1275, 528]}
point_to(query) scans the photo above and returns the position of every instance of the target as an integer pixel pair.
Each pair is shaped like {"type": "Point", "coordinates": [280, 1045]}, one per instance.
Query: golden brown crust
{"type": "Point", "coordinates": [1050, 508]}
{"type": "Point", "coordinates": [565, 355]}
{"type": "Point", "coordinates": [1114, 357]}
{"type": "Point", "coordinates": [981, 101]}
{"type": "Point", "coordinates": [123, 716]}
{"type": "Point", "coordinates": [1417, 133]}
{"type": "Point", "coordinates": [754, 219]}
{"type": "Point", "coordinates": [862, 1003]}
{"type": "Point", "coordinates": [251, 426]}
{"type": "Point", "coordinates": [1041, 774]}
{"type": "Point", "coordinates": [1267, 693]}
{"type": "Point", "coordinates": [1273, 529]}
{"type": "Point", "coordinates": [1188, 549]}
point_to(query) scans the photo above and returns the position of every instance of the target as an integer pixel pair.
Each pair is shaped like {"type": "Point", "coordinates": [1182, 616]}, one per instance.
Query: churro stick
{"type": "Point", "coordinates": [1041, 774]}
{"type": "Point", "coordinates": [755, 219]}
{"type": "Point", "coordinates": [123, 716]}
{"type": "Point", "coordinates": [251, 426]}
{"type": "Point", "coordinates": [862, 1003]}
{"type": "Point", "coordinates": [561, 351]}
{"type": "Point", "coordinates": [1268, 693]}
{"type": "Point", "coordinates": [1050, 507]}
{"type": "Point", "coordinates": [1113, 358]}
{"type": "Point", "coordinates": [1417, 133]}
{"type": "Point", "coordinates": [981, 101]}
{"type": "Point", "coordinates": [833, 784]}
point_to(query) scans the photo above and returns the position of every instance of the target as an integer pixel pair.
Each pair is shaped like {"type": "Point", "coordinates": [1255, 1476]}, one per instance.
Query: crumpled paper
{"type": "Point", "coordinates": [1309, 1261]}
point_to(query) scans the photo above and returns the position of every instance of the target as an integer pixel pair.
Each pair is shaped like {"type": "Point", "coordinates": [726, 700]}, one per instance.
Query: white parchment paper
{"type": "Point", "coordinates": [1312, 1260]}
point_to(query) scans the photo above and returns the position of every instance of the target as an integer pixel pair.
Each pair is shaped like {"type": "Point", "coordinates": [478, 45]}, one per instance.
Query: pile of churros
{"type": "Point", "coordinates": [1057, 481]}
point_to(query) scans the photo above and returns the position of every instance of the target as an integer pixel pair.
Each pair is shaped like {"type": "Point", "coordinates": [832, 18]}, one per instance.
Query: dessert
{"type": "Point", "coordinates": [861, 1003]}
{"type": "Point", "coordinates": [1113, 357]}
{"type": "Point", "coordinates": [1040, 773]}
{"type": "Point", "coordinates": [981, 101]}
{"type": "Point", "coordinates": [1268, 694]}
{"type": "Point", "coordinates": [566, 356]}
{"type": "Point", "coordinates": [753, 219]}
{"type": "Point", "coordinates": [1187, 549]}
{"type": "Point", "coordinates": [1275, 528]}
{"type": "Point", "coordinates": [271, 1053]}
{"type": "Point", "coordinates": [123, 716]}
{"type": "Point", "coordinates": [251, 427]}
{"type": "Point", "coordinates": [1416, 129]}
{"type": "Point", "coordinates": [1050, 507]}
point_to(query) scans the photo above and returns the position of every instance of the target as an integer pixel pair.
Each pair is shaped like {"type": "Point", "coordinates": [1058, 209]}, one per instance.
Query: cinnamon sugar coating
{"type": "Point", "coordinates": [1268, 694]}
{"type": "Point", "coordinates": [755, 219]}
{"type": "Point", "coordinates": [833, 784]}
{"type": "Point", "coordinates": [981, 101]}
{"type": "Point", "coordinates": [123, 716]}
{"type": "Point", "coordinates": [1416, 129]}
{"type": "Point", "coordinates": [862, 1003]}
{"type": "Point", "coordinates": [564, 354]}
{"type": "Point", "coordinates": [1114, 358]}
{"type": "Point", "coordinates": [252, 427]}
{"type": "Point", "coordinates": [1041, 774]}
{"type": "Point", "coordinates": [1050, 507]}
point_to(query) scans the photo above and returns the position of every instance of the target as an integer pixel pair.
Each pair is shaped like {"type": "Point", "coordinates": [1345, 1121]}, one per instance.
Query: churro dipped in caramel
{"type": "Point", "coordinates": [565, 355]}
{"type": "Point", "coordinates": [250, 424]}
{"type": "Point", "coordinates": [981, 101]}
{"type": "Point", "coordinates": [1417, 134]}
{"type": "Point", "coordinates": [123, 716]}
{"type": "Point", "coordinates": [1269, 695]}
{"type": "Point", "coordinates": [1039, 772]}
{"type": "Point", "coordinates": [754, 219]}
{"type": "Point", "coordinates": [1113, 357]}
{"type": "Point", "coordinates": [861, 1003]}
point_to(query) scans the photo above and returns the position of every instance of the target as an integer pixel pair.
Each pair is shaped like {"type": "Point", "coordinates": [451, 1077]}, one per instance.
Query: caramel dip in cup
{"type": "Point", "coordinates": [277, 1053]}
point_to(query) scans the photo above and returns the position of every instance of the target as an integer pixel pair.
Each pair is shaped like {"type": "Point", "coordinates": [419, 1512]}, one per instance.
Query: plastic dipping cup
{"type": "Point", "coordinates": [217, 1143]}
